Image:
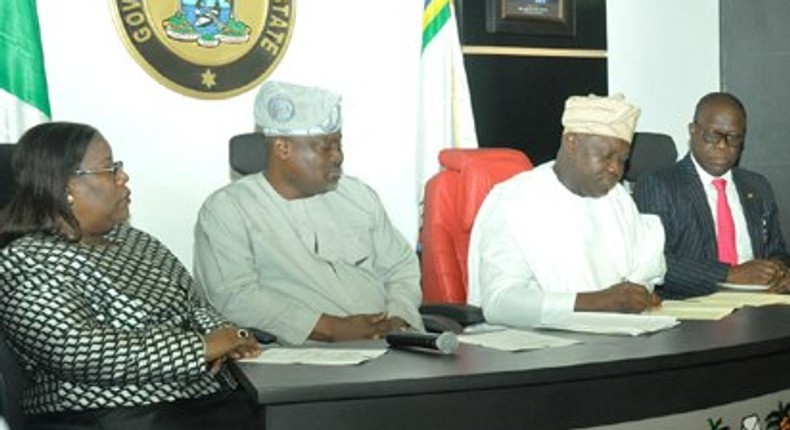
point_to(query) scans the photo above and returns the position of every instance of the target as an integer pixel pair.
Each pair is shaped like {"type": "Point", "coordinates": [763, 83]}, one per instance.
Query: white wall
{"type": "Point", "coordinates": [663, 55]}
{"type": "Point", "coordinates": [175, 147]}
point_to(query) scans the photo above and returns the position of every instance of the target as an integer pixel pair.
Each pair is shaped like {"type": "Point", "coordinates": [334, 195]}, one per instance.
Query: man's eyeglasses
{"type": "Point", "coordinates": [115, 169]}
{"type": "Point", "coordinates": [712, 137]}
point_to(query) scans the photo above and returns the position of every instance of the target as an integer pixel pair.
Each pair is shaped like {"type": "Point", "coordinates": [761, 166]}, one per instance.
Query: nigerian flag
{"type": "Point", "coordinates": [445, 119]}
{"type": "Point", "coordinates": [23, 83]}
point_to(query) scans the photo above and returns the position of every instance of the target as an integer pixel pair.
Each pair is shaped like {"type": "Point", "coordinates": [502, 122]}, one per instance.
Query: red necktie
{"type": "Point", "coordinates": [725, 226]}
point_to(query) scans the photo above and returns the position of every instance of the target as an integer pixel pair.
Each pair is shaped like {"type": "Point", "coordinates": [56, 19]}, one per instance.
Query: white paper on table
{"type": "Point", "coordinates": [742, 287]}
{"type": "Point", "coordinates": [514, 340]}
{"type": "Point", "coordinates": [741, 298]}
{"type": "Point", "coordinates": [316, 356]}
{"type": "Point", "coordinates": [689, 310]}
{"type": "Point", "coordinates": [612, 323]}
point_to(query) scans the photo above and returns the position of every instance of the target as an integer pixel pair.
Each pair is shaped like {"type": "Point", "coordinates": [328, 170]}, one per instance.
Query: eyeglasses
{"type": "Point", "coordinates": [115, 169]}
{"type": "Point", "coordinates": [712, 137]}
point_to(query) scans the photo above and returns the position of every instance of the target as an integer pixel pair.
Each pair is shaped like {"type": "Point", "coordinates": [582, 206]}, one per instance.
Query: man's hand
{"type": "Point", "coordinates": [626, 297]}
{"type": "Point", "coordinates": [757, 272]}
{"type": "Point", "coordinates": [366, 326]}
{"type": "Point", "coordinates": [781, 282]}
{"type": "Point", "coordinates": [397, 324]}
{"type": "Point", "coordinates": [781, 286]}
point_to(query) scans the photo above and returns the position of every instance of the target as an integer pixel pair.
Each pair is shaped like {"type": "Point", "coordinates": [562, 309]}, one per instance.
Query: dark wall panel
{"type": "Point", "coordinates": [755, 64]}
{"type": "Point", "coordinates": [518, 100]}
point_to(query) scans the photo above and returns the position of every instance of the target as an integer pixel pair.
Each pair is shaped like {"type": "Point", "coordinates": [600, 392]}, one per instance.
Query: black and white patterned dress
{"type": "Point", "coordinates": [104, 326]}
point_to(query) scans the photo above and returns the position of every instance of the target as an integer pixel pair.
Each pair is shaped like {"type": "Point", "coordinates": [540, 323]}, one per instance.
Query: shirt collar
{"type": "Point", "coordinates": [706, 177]}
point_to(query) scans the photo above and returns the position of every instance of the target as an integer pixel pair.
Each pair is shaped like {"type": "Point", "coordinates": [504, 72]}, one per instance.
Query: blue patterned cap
{"type": "Point", "coordinates": [285, 109]}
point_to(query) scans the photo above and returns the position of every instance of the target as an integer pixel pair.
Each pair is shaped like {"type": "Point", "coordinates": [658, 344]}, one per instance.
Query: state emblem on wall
{"type": "Point", "coordinates": [207, 49]}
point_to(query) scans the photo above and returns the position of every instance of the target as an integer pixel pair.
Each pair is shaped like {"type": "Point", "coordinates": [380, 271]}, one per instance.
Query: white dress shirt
{"type": "Point", "coordinates": [743, 242]}
{"type": "Point", "coordinates": [535, 245]}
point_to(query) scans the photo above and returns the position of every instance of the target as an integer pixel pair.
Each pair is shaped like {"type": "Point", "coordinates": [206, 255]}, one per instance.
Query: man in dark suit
{"type": "Point", "coordinates": [699, 255]}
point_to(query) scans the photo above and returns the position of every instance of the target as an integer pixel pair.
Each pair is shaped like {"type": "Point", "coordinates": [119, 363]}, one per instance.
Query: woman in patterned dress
{"type": "Point", "coordinates": [102, 316]}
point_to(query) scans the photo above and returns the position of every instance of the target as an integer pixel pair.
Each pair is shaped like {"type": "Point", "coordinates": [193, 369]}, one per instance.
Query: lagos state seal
{"type": "Point", "coordinates": [208, 49]}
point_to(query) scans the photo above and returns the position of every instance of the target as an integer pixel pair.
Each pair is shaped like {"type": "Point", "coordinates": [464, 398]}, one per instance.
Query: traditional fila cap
{"type": "Point", "coordinates": [285, 109]}
{"type": "Point", "coordinates": [607, 116]}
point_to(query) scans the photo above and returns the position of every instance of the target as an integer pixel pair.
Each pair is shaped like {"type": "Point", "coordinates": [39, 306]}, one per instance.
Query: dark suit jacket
{"type": "Point", "coordinates": [676, 195]}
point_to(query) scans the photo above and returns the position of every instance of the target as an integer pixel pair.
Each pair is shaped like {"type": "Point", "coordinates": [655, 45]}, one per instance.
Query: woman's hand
{"type": "Point", "coordinates": [248, 349]}
{"type": "Point", "coordinates": [215, 366]}
{"type": "Point", "coordinates": [232, 342]}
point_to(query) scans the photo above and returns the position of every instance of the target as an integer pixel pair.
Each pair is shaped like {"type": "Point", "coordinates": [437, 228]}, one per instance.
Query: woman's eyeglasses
{"type": "Point", "coordinates": [114, 169]}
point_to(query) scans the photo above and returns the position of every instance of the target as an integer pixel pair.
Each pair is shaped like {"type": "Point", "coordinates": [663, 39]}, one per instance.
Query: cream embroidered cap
{"type": "Point", "coordinates": [606, 116]}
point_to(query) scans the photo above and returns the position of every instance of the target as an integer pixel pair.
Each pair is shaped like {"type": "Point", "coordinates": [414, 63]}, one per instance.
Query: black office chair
{"type": "Point", "coordinates": [12, 385]}
{"type": "Point", "coordinates": [6, 176]}
{"type": "Point", "coordinates": [649, 152]}
{"type": "Point", "coordinates": [247, 153]}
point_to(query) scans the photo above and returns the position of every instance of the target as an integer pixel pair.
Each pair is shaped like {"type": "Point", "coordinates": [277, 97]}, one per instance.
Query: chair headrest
{"type": "Point", "coordinates": [247, 153]}
{"type": "Point", "coordinates": [462, 158]}
{"type": "Point", "coordinates": [649, 151]}
{"type": "Point", "coordinates": [480, 170]}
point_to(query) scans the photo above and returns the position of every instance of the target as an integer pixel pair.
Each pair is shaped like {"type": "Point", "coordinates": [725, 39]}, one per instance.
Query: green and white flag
{"type": "Point", "coordinates": [23, 84]}
{"type": "Point", "coordinates": [445, 119]}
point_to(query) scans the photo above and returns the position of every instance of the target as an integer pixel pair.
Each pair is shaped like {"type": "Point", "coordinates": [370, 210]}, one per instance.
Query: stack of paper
{"type": "Point", "coordinates": [720, 304]}
{"type": "Point", "coordinates": [691, 310]}
{"type": "Point", "coordinates": [612, 323]}
{"type": "Point", "coordinates": [742, 287]}
{"type": "Point", "coordinates": [514, 340]}
{"type": "Point", "coordinates": [316, 356]}
{"type": "Point", "coordinates": [740, 299]}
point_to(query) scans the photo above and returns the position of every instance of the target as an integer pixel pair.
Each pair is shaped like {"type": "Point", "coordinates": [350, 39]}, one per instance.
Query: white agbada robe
{"type": "Point", "coordinates": [535, 245]}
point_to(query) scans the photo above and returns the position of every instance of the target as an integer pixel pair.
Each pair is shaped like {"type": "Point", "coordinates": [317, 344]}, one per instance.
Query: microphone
{"type": "Point", "coordinates": [446, 342]}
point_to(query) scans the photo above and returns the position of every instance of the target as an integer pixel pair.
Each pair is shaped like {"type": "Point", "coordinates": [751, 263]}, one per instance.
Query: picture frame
{"type": "Point", "coordinates": [537, 17]}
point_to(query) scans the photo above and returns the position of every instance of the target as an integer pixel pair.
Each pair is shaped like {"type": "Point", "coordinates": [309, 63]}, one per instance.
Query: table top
{"type": "Point", "coordinates": [749, 332]}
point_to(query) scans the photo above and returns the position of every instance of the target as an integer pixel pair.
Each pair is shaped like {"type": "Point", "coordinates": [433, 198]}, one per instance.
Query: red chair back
{"type": "Point", "coordinates": [450, 204]}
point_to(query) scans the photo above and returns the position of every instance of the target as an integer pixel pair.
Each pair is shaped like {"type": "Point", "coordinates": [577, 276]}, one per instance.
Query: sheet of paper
{"type": "Point", "coordinates": [514, 340]}
{"type": "Point", "coordinates": [741, 298]}
{"type": "Point", "coordinates": [685, 310]}
{"type": "Point", "coordinates": [742, 287]}
{"type": "Point", "coordinates": [316, 356]}
{"type": "Point", "coordinates": [612, 323]}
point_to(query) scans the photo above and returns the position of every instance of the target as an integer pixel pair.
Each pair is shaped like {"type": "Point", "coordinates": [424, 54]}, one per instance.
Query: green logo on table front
{"type": "Point", "coordinates": [778, 419]}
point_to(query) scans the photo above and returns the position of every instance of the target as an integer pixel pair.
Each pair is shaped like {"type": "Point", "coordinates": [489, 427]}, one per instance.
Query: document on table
{"type": "Point", "coordinates": [742, 287]}
{"type": "Point", "coordinates": [718, 305]}
{"type": "Point", "coordinates": [316, 356]}
{"type": "Point", "coordinates": [688, 310]}
{"type": "Point", "coordinates": [741, 298]}
{"type": "Point", "coordinates": [507, 339]}
{"type": "Point", "coordinates": [612, 323]}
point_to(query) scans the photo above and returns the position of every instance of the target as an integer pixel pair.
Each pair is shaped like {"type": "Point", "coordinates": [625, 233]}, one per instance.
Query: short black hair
{"type": "Point", "coordinates": [44, 159]}
{"type": "Point", "coordinates": [717, 96]}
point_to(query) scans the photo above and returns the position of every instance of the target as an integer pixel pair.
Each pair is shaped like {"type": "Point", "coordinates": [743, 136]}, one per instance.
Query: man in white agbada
{"type": "Point", "coordinates": [567, 237]}
{"type": "Point", "coordinates": [302, 250]}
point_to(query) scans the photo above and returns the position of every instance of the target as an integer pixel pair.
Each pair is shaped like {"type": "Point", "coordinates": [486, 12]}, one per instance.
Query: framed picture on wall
{"type": "Point", "coordinates": [539, 17]}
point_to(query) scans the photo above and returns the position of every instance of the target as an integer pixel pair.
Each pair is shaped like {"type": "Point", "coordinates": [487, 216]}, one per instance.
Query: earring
{"type": "Point", "coordinates": [69, 199]}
